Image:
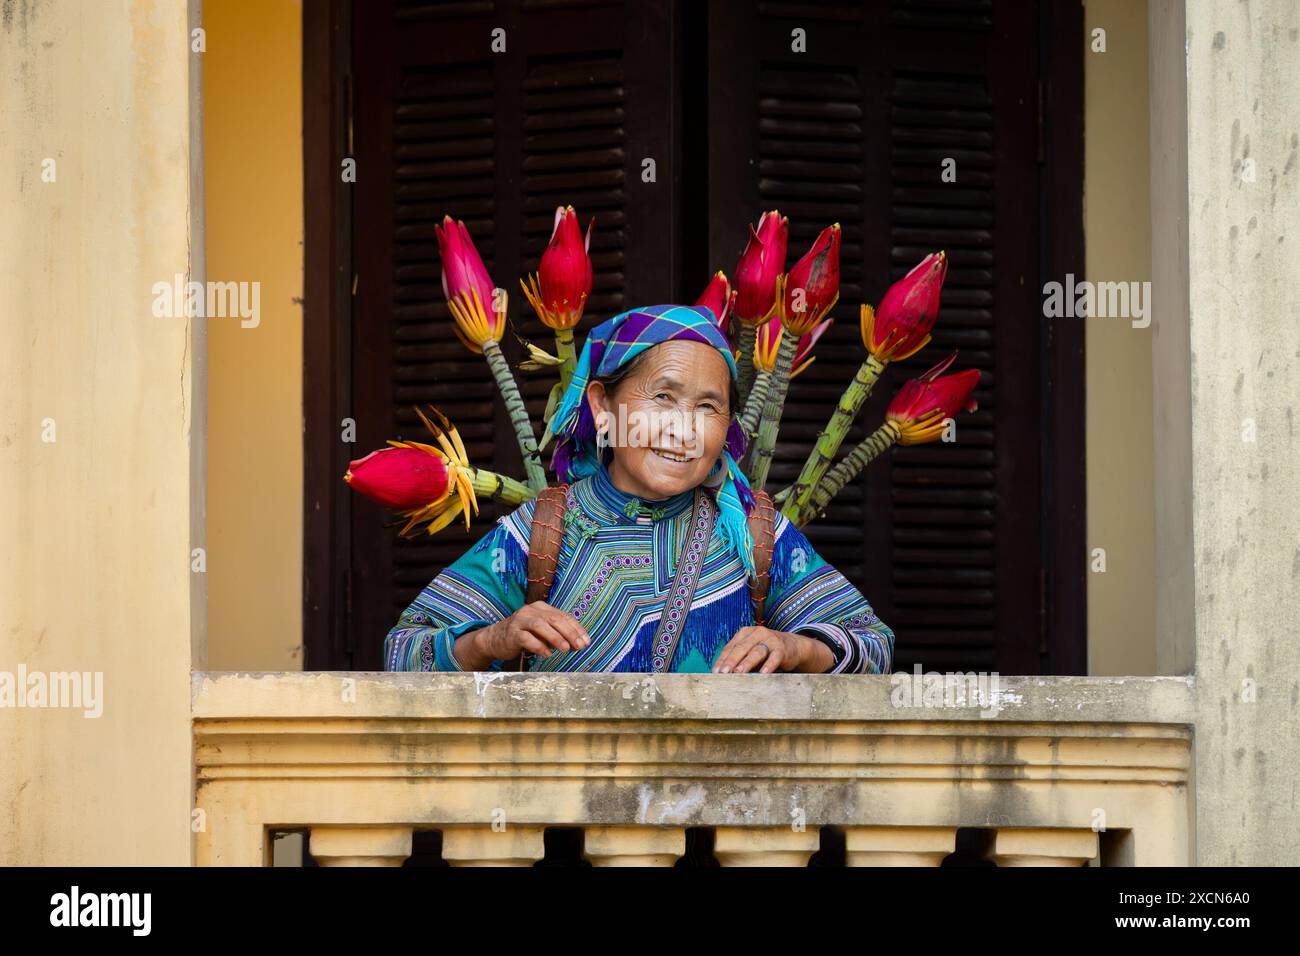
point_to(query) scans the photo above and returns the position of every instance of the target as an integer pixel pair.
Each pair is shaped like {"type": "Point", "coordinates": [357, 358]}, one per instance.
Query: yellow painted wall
{"type": "Point", "coordinates": [1117, 230]}
{"type": "Point", "coordinates": [101, 428]}
{"type": "Point", "coordinates": [253, 167]}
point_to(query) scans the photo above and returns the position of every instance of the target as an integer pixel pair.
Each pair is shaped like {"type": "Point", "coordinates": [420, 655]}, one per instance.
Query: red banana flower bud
{"type": "Point", "coordinates": [901, 326]}
{"type": "Point", "coordinates": [560, 290]}
{"type": "Point", "coordinates": [479, 312]}
{"type": "Point", "coordinates": [761, 262]}
{"type": "Point", "coordinates": [922, 404]}
{"type": "Point", "coordinates": [813, 286]}
{"type": "Point", "coordinates": [399, 478]}
{"type": "Point", "coordinates": [719, 297]}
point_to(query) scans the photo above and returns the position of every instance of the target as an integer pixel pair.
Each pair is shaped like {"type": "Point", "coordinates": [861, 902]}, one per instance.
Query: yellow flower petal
{"type": "Point", "coordinates": [447, 517]}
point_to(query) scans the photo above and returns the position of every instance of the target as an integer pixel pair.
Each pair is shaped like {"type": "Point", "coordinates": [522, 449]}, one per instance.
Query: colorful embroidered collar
{"type": "Point", "coordinates": [601, 500]}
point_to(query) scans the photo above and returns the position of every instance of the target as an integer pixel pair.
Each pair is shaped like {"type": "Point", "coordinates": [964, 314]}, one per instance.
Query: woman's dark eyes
{"type": "Point", "coordinates": [709, 405]}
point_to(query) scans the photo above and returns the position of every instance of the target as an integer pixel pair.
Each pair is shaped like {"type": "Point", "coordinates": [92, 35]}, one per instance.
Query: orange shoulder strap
{"type": "Point", "coordinates": [544, 539]}
{"type": "Point", "coordinates": [762, 528]}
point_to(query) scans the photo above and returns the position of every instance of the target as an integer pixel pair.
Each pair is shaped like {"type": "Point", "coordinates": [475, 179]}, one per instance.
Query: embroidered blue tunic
{"type": "Point", "coordinates": [616, 564]}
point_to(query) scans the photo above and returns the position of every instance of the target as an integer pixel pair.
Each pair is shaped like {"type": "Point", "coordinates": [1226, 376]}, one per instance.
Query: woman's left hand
{"type": "Point", "coordinates": [765, 649]}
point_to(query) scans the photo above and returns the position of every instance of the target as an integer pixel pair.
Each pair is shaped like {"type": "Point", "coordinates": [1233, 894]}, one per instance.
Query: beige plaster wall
{"type": "Point", "coordinates": [1243, 253]}
{"type": "Point", "coordinates": [97, 395]}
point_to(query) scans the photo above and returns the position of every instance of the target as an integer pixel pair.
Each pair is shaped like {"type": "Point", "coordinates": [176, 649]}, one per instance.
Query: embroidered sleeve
{"type": "Point", "coordinates": [484, 585]}
{"type": "Point", "coordinates": [808, 596]}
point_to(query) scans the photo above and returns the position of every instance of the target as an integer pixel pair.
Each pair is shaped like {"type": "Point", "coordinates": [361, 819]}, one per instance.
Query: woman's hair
{"type": "Point", "coordinates": [614, 380]}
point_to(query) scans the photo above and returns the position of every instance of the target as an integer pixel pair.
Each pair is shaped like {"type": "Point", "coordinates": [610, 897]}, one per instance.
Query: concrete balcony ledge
{"type": "Point", "coordinates": [712, 697]}
{"type": "Point", "coordinates": [1065, 770]}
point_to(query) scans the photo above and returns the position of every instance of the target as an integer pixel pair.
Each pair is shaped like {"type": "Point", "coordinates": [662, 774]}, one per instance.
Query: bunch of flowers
{"type": "Point", "coordinates": [780, 316]}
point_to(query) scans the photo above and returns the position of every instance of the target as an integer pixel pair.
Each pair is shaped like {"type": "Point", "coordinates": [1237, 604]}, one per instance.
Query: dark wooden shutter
{"type": "Point", "coordinates": [945, 539]}
{"type": "Point", "coordinates": [950, 542]}
{"type": "Point", "coordinates": [443, 125]}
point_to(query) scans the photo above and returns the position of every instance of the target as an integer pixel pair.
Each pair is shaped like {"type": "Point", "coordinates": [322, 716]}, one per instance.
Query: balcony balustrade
{"type": "Point", "coordinates": [1058, 771]}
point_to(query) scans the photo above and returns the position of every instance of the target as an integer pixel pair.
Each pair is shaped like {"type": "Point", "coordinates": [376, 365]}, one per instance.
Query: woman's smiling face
{"type": "Point", "coordinates": [667, 420]}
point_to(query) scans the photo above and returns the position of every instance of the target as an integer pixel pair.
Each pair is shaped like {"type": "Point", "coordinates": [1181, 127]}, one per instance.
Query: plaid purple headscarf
{"type": "Point", "coordinates": [613, 344]}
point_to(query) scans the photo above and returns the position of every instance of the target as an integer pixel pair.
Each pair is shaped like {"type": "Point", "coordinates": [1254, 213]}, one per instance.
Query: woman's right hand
{"type": "Point", "coordinates": [537, 628]}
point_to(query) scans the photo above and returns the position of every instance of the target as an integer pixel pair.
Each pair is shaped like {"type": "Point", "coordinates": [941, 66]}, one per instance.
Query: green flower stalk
{"type": "Point", "coordinates": [755, 404]}
{"type": "Point", "coordinates": [767, 345]}
{"type": "Point", "coordinates": [920, 413]}
{"type": "Point", "coordinates": [899, 329]}
{"type": "Point", "coordinates": [745, 363]}
{"type": "Point", "coordinates": [567, 352]}
{"type": "Point", "coordinates": [499, 487]}
{"type": "Point", "coordinates": [862, 455]}
{"type": "Point", "coordinates": [564, 348]}
{"type": "Point", "coordinates": [761, 457]}
{"type": "Point", "coordinates": [829, 441]}
{"type": "Point", "coordinates": [518, 413]}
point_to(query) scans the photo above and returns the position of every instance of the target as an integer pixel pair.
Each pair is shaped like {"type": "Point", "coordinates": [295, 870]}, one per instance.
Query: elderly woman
{"type": "Point", "coordinates": [648, 436]}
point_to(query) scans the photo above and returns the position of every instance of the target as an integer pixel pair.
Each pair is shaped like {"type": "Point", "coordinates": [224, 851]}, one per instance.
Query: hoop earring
{"type": "Point", "coordinates": [716, 474]}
